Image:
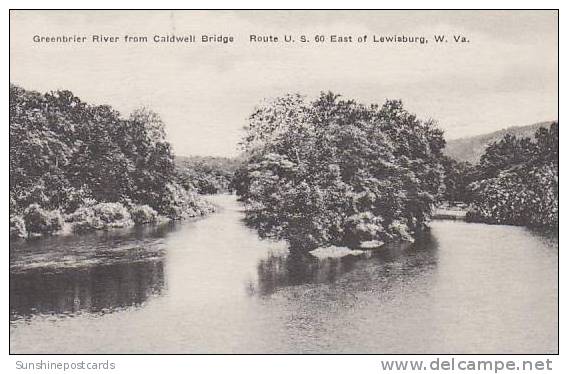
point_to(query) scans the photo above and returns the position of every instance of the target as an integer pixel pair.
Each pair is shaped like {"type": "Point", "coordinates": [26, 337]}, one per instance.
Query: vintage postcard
{"type": "Point", "coordinates": [283, 182]}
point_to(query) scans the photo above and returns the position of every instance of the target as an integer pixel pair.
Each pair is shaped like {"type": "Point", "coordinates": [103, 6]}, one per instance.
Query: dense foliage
{"type": "Point", "coordinates": [142, 214]}
{"type": "Point", "coordinates": [68, 156]}
{"type": "Point", "coordinates": [458, 175]}
{"type": "Point", "coordinates": [38, 220]}
{"type": "Point", "coordinates": [518, 181]}
{"type": "Point", "coordinates": [100, 216]}
{"type": "Point", "coordinates": [333, 171]}
{"type": "Point", "coordinates": [207, 175]}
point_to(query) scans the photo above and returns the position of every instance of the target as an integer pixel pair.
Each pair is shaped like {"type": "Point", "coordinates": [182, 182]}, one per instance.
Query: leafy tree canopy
{"type": "Point", "coordinates": [333, 171]}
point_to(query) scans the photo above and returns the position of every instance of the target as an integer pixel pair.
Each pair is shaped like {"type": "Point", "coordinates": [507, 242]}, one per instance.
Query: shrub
{"type": "Point", "coordinates": [525, 196]}
{"type": "Point", "coordinates": [142, 214]}
{"type": "Point", "coordinates": [42, 221]}
{"type": "Point", "coordinates": [100, 217]}
{"type": "Point", "coordinates": [178, 203]}
{"type": "Point", "coordinates": [111, 213]}
{"type": "Point", "coordinates": [84, 219]}
{"type": "Point", "coordinates": [175, 201]}
{"type": "Point", "coordinates": [17, 227]}
{"type": "Point", "coordinates": [362, 227]}
{"type": "Point", "coordinates": [518, 182]}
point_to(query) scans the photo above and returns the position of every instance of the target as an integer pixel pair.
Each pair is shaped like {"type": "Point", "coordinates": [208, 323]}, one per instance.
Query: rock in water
{"type": "Point", "coordinates": [335, 252]}
{"type": "Point", "coordinates": [371, 244]}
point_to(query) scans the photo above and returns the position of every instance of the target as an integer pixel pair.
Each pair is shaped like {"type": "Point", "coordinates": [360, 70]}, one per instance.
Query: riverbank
{"type": "Point", "coordinates": [465, 288]}
{"type": "Point", "coordinates": [36, 222]}
{"type": "Point", "coordinates": [449, 213]}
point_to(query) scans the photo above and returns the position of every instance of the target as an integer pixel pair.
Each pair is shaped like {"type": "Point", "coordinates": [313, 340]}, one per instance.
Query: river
{"type": "Point", "coordinates": [212, 286]}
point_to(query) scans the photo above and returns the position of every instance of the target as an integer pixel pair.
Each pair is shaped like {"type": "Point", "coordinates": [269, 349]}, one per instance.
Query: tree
{"type": "Point", "coordinates": [518, 181]}
{"type": "Point", "coordinates": [505, 153]}
{"type": "Point", "coordinates": [457, 178]}
{"type": "Point", "coordinates": [66, 154]}
{"type": "Point", "coordinates": [333, 171]}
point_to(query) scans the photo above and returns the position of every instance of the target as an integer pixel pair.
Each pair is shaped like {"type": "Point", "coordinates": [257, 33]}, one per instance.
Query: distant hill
{"type": "Point", "coordinates": [471, 148]}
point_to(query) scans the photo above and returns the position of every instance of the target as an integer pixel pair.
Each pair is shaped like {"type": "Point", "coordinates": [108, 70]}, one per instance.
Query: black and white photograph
{"type": "Point", "coordinates": [283, 182]}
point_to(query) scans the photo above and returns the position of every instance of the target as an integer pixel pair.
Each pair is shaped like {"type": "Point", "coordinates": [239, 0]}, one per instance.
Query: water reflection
{"type": "Point", "coordinates": [211, 286]}
{"type": "Point", "coordinates": [548, 237]}
{"type": "Point", "coordinates": [95, 289]}
{"type": "Point", "coordinates": [93, 273]}
{"type": "Point", "coordinates": [395, 262]}
{"type": "Point", "coordinates": [100, 247]}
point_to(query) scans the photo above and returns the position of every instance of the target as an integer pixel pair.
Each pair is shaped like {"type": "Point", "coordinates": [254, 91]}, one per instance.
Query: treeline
{"type": "Point", "coordinates": [515, 182]}
{"type": "Point", "coordinates": [335, 172]}
{"type": "Point", "coordinates": [86, 167]}
{"type": "Point", "coordinates": [206, 174]}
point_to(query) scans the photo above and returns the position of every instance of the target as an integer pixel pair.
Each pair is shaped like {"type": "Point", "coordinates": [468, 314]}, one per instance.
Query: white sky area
{"type": "Point", "coordinates": [506, 76]}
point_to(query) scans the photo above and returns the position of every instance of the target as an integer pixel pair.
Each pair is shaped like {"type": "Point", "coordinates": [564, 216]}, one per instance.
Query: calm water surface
{"type": "Point", "coordinates": [212, 286]}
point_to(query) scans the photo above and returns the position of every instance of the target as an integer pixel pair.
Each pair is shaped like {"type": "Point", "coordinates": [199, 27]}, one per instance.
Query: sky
{"type": "Point", "coordinates": [506, 75]}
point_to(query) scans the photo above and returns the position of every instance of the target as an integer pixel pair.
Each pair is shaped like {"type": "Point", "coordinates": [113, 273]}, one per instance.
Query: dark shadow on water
{"type": "Point", "coordinates": [97, 289]}
{"type": "Point", "coordinates": [98, 272]}
{"type": "Point", "coordinates": [91, 240]}
{"type": "Point", "coordinates": [547, 235]}
{"type": "Point", "coordinates": [398, 262]}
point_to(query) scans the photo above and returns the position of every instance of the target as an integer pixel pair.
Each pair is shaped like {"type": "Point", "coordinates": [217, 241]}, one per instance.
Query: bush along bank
{"type": "Point", "coordinates": [518, 182]}
{"type": "Point", "coordinates": [79, 167]}
{"type": "Point", "coordinates": [101, 216]}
